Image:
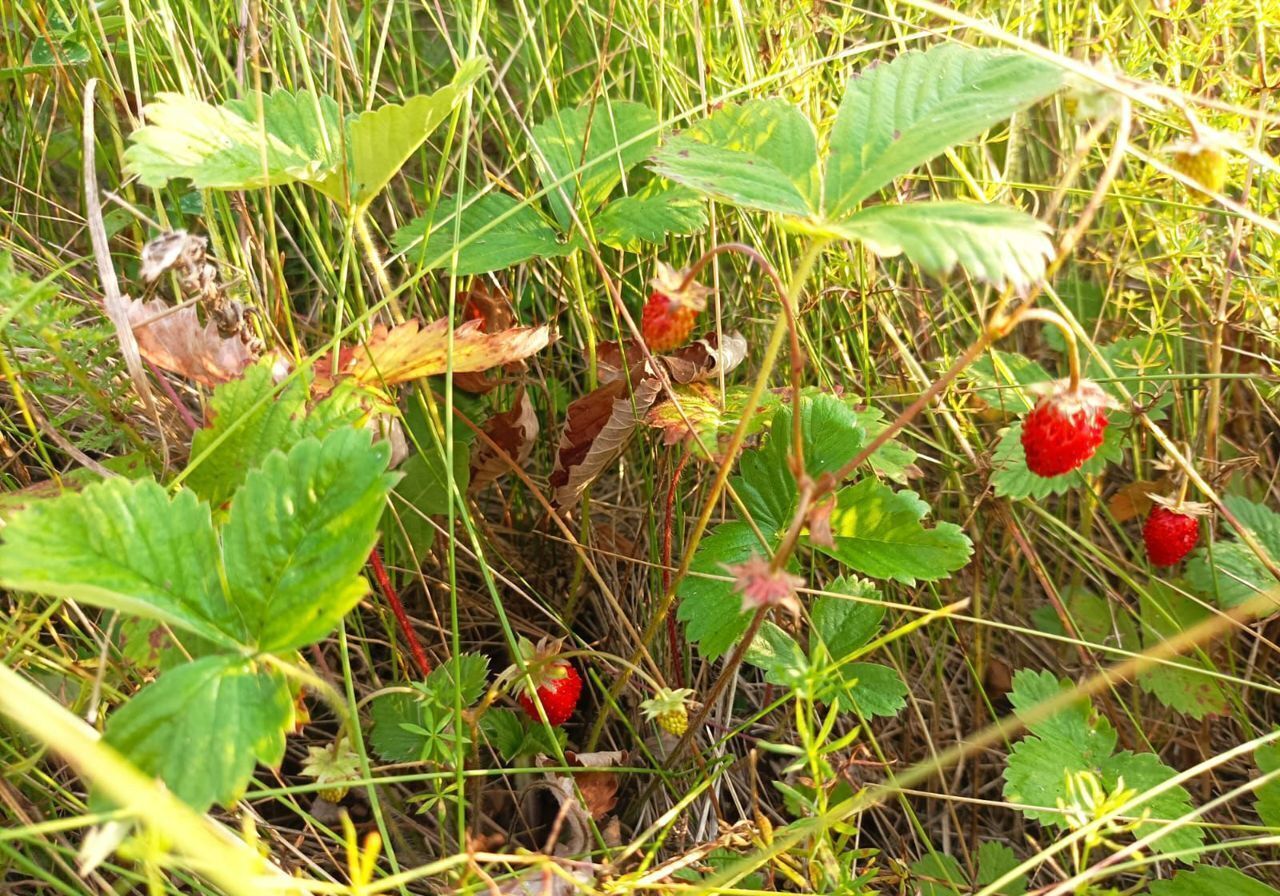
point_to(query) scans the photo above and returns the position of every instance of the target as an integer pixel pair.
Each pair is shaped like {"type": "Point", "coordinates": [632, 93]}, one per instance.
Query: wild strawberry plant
{"type": "Point", "coordinates": [242, 590]}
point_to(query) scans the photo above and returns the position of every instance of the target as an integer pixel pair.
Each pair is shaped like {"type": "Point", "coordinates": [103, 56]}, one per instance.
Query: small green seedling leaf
{"type": "Point", "coordinates": [897, 116]}
{"type": "Point", "coordinates": [202, 727]}
{"type": "Point", "coordinates": [762, 154]}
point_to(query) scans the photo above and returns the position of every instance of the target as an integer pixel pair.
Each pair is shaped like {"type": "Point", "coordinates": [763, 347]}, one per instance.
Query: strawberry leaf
{"type": "Point", "coordinates": [762, 154]}
{"type": "Point", "coordinates": [583, 153]}
{"type": "Point", "coordinates": [1207, 881]}
{"type": "Point", "coordinates": [878, 532]}
{"type": "Point", "coordinates": [778, 654]}
{"type": "Point", "coordinates": [709, 607]}
{"type": "Point", "coordinates": [251, 419]}
{"type": "Point", "coordinates": [647, 217]}
{"type": "Point", "coordinates": [897, 116]}
{"type": "Point", "coordinates": [299, 532]}
{"type": "Point", "coordinates": [262, 140]}
{"type": "Point", "coordinates": [1142, 772]}
{"type": "Point", "coordinates": [203, 726]}
{"type": "Point", "coordinates": [381, 140]}
{"type": "Point", "coordinates": [995, 243]}
{"type": "Point", "coordinates": [1073, 740]}
{"type": "Point", "coordinates": [1182, 684]}
{"type": "Point", "coordinates": [494, 231]}
{"type": "Point", "coordinates": [125, 546]}
{"type": "Point", "coordinates": [1228, 571]}
{"type": "Point", "coordinates": [1267, 804]}
{"type": "Point", "coordinates": [832, 437]}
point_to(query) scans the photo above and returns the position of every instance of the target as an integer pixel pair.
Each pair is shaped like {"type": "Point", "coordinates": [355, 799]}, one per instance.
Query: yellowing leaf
{"type": "Point", "coordinates": [410, 350]}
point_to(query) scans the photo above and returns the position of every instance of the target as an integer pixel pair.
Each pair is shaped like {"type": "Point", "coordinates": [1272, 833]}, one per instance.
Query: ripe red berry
{"type": "Point", "coordinates": [665, 323]}
{"type": "Point", "coordinates": [559, 686]}
{"type": "Point", "coordinates": [673, 306]}
{"type": "Point", "coordinates": [1065, 428]}
{"type": "Point", "coordinates": [1169, 535]}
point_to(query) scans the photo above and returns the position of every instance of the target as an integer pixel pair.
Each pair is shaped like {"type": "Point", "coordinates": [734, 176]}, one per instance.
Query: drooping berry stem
{"type": "Point", "coordinates": [402, 618]}
{"type": "Point", "coordinates": [673, 637]}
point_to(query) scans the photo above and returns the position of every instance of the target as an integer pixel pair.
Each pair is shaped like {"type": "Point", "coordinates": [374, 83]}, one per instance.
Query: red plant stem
{"type": "Point", "coordinates": [673, 638]}
{"type": "Point", "coordinates": [384, 581]}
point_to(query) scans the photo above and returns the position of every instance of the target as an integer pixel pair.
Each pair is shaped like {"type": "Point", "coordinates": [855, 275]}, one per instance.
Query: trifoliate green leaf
{"type": "Point", "coordinates": [995, 243]}
{"type": "Point", "coordinates": [1207, 881]}
{"type": "Point", "coordinates": [381, 140]}
{"type": "Point", "coordinates": [583, 153]}
{"type": "Point", "coordinates": [260, 141]}
{"type": "Point", "coordinates": [1267, 805]}
{"type": "Point", "coordinates": [495, 231]}
{"type": "Point", "coordinates": [658, 210]}
{"type": "Point", "coordinates": [995, 860]}
{"type": "Point", "coordinates": [1142, 772]}
{"type": "Point", "coordinates": [466, 673]}
{"type": "Point", "coordinates": [831, 436]}
{"type": "Point", "coordinates": [778, 654]}
{"type": "Point", "coordinates": [1228, 572]}
{"type": "Point", "coordinates": [938, 874]}
{"type": "Point", "coordinates": [709, 607]}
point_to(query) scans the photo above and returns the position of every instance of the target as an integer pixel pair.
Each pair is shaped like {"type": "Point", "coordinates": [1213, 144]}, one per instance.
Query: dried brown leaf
{"type": "Point", "coordinates": [597, 428]}
{"type": "Point", "coordinates": [514, 431]}
{"type": "Point", "coordinates": [706, 358]}
{"type": "Point", "coordinates": [173, 339]}
{"type": "Point", "coordinates": [1134, 499]}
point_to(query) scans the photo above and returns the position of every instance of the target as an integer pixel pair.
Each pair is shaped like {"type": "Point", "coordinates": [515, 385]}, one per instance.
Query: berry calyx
{"type": "Point", "coordinates": [334, 766]}
{"type": "Point", "coordinates": [1169, 535]}
{"type": "Point", "coordinates": [668, 316]}
{"type": "Point", "coordinates": [1065, 427]}
{"type": "Point", "coordinates": [557, 683]}
{"type": "Point", "coordinates": [669, 709]}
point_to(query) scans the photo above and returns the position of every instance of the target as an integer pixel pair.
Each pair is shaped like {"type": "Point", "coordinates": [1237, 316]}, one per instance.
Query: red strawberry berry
{"type": "Point", "coordinates": [559, 686]}
{"type": "Point", "coordinates": [673, 306]}
{"type": "Point", "coordinates": [1169, 535]}
{"type": "Point", "coordinates": [1065, 428]}
{"type": "Point", "coordinates": [665, 324]}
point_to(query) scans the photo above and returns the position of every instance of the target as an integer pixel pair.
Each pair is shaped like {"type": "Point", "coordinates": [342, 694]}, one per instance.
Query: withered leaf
{"type": "Point", "coordinates": [598, 425]}
{"type": "Point", "coordinates": [489, 305]}
{"type": "Point", "coordinates": [514, 431]}
{"type": "Point", "coordinates": [410, 350]}
{"type": "Point", "coordinates": [696, 409]}
{"type": "Point", "coordinates": [597, 428]}
{"type": "Point", "coordinates": [706, 358]}
{"type": "Point", "coordinates": [1133, 500]}
{"type": "Point", "coordinates": [173, 340]}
